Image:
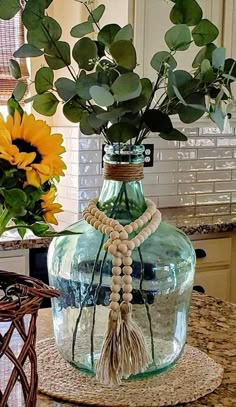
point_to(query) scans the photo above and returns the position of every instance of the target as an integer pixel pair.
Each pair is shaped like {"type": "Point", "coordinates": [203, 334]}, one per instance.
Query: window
{"type": "Point", "coordinates": [11, 38]}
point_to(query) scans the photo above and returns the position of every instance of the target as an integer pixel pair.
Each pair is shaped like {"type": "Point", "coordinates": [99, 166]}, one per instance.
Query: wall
{"type": "Point", "coordinates": [199, 176]}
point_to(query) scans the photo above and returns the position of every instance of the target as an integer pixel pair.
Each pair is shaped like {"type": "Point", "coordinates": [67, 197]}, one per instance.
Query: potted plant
{"type": "Point", "coordinates": [125, 266]}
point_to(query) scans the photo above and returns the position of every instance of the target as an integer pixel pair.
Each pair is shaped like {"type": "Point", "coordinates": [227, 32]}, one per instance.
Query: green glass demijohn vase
{"type": "Point", "coordinates": [162, 276]}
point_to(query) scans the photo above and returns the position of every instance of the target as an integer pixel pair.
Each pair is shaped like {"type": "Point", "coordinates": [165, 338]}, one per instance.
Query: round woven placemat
{"type": "Point", "coordinates": [194, 376]}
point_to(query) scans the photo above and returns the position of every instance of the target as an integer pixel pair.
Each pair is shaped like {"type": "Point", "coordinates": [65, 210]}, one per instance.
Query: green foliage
{"type": "Point", "coordinates": [9, 8]}
{"type": "Point", "coordinates": [205, 33]}
{"type": "Point", "coordinates": [46, 104]}
{"type": "Point", "coordinates": [19, 90]}
{"type": "Point", "coordinates": [15, 69]}
{"type": "Point", "coordinates": [104, 94]}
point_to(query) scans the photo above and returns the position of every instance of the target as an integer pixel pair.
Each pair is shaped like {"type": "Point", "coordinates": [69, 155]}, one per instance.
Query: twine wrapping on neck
{"type": "Point", "coordinates": [123, 172]}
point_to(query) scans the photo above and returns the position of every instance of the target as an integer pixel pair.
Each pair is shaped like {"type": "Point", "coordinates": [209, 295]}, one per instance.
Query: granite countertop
{"type": "Point", "coordinates": [185, 218]}
{"type": "Point", "coordinates": [212, 328]}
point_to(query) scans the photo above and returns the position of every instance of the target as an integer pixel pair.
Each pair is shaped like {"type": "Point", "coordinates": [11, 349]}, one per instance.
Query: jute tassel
{"type": "Point", "coordinates": [134, 354]}
{"type": "Point", "coordinates": [108, 366]}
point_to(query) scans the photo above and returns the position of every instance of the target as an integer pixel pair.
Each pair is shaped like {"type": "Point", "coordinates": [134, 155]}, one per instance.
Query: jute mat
{"type": "Point", "coordinates": [194, 376]}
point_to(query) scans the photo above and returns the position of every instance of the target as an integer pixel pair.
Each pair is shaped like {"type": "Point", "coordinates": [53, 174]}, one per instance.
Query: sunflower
{"type": "Point", "coordinates": [49, 208]}
{"type": "Point", "coordinates": [28, 144]}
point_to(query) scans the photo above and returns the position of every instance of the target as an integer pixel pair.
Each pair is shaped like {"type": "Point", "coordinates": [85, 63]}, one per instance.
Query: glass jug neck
{"type": "Point", "coordinates": [123, 199]}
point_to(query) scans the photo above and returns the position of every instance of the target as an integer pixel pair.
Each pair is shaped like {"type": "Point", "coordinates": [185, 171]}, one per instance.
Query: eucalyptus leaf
{"type": "Point", "coordinates": [126, 87]}
{"type": "Point", "coordinates": [124, 54]}
{"type": "Point", "coordinates": [186, 12]}
{"type": "Point", "coordinates": [173, 135]}
{"type": "Point", "coordinates": [108, 33]}
{"type": "Point", "coordinates": [161, 58]}
{"type": "Point", "coordinates": [135, 105]}
{"type": "Point", "coordinates": [33, 13]}
{"type": "Point", "coordinates": [207, 73]}
{"type": "Point", "coordinates": [84, 83]}
{"type": "Point", "coordinates": [205, 33]}
{"type": "Point", "coordinates": [204, 53]}
{"type": "Point", "coordinates": [20, 90]}
{"type": "Point", "coordinates": [13, 105]}
{"type": "Point", "coordinates": [85, 127]}
{"type": "Point", "coordinates": [125, 33]}
{"type": "Point", "coordinates": [73, 110]}
{"type": "Point", "coordinates": [95, 121]}
{"type": "Point", "coordinates": [85, 53]}
{"type": "Point", "coordinates": [82, 29]}
{"type": "Point", "coordinates": [180, 79]}
{"type": "Point", "coordinates": [101, 96]}
{"type": "Point", "coordinates": [147, 88]}
{"type": "Point", "coordinates": [26, 51]}
{"type": "Point", "coordinates": [66, 88]}
{"type": "Point", "coordinates": [44, 80]}
{"type": "Point", "coordinates": [218, 117]}
{"type": "Point", "coordinates": [189, 114]}
{"type": "Point", "coordinates": [15, 69]}
{"type": "Point", "coordinates": [44, 33]}
{"type": "Point", "coordinates": [113, 115]}
{"type": "Point", "coordinates": [58, 55]}
{"type": "Point", "coordinates": [46, 104]}
{"type": "Point", "coordinates": [9, 8]}
{"type": "Point", "coordinates": [179, 96]}
{"type": "Point", "coordinates": [122, 132]}
{"type": "Point", "coordinates": [218, 58]}
{"type": "Point", "coordinates": [97, 14]}
{"type": "Point", "coordinates": [230, 68]}
{"type": "Point", "coordinates": [178, 38]}
{"type": "Point", "coordinates": [157, 121]}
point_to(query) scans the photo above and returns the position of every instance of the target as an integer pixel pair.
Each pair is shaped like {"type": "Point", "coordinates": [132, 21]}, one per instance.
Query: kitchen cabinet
{"type": "Point", "coordinates": [16, 261]}
{"type": "Point", "coordinates": [151, 21]}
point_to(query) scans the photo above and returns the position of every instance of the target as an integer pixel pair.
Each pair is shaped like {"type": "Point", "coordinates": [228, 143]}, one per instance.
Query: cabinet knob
{"type": "Point", "coordinates": [199, 289]}
{"type": "Point", "coordinates": [200, 253]}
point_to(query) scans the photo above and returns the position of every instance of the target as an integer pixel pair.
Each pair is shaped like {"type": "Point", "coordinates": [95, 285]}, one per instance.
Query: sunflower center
{"type": "Point", "coordinates": [26, 147]}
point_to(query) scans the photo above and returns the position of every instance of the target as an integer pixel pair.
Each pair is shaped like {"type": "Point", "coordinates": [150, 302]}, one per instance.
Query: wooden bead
{"type": "Point", "coordinates": [112, 249]}
{"type": "Point", "coordinates": [104, 220]}
{"type": "Point", "coordinates": [136, 241]}
{"type": "Point", "coordinates": [127, 297]}
{"type": "Point", "coordinates": [127, 270]}
{"type": "Point", "coordinates": [88, 218]}
{"type": "Point", "coordinates": [144, 219]}
{"type": "Point", "coordinates": [92, 221]}
{"type": "Point", "coordinates": [100, 228]}
{"type": "Point", "coordinates": [116, 288]}
{"type": "Point", "coordinates": [114, 297]}
{"type": "Point", "coordinates": [141, 238]}
{"type": "Point", "coordinates": [108, 230]}
{"type": "Point", "coordinates": [128, 229]}
{"type": "Point", "coordinates": [117, 242]}
{"type": "Point", "coordinates": [116, 261]}
{"type": "Point", "coordinates": [122, 248]}
{"type": "Point", "coordinates": [117, 280]}
{"type": "Point", "coordinates": [148, 231]}
{"type": "Point", "coordinates": [135, 226]}
{"type": "Point", "coordinates": [104, 228]}
{"type": "Point", "coordinates": [124, 235]}
{"type": "Point", "coordinates": [127, 261]}
{"type": "Point", "coordinates": [116, 271]}
{"type": "Point", "coordinates": [97, 224]}
{"type": "Point", "coordinates": [148, 215]}
{"type": "Point", "coordinates": [127, 288]}
{"type": "Point", "coordinates": [129, 253]}
{"type": "Point", "coordinates": [144, 234]}
{"type": "Point", "coordinates": [139, 221]}
{"type": "Point", "coordinates": [114, 235]}
{"type": "Point", "coordinates": [118, 228]}
{"type": "Point", "coordinates": [152, 228]}
{"type": "Point", "coordinates": [114, 306]}
{"type": "Point", "coordinates": [101, 216]}
{"type": "Point", "coordinates": [130, 244]}
{"type": "Point", "coordinates": [94, 210]}
{"type": "Point", "coordinates": [105, 246]}
{"type": "Point", "coordinates": [113, 223]}
{"type": "Point", "coordinates": [127, 279]}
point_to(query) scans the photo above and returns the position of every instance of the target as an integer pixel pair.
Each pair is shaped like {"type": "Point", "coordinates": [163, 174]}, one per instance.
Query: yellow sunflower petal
{"type": "Point", "coordinates": [50, 218]}
{"type": "Point", "coordinates": [24, 159]}
{"type": "Point", "coordinates": [44, 169]}
{"type": "Point", "coordinates": [16, 129]}
{"type": "Point", "coordinates": [33, 178]}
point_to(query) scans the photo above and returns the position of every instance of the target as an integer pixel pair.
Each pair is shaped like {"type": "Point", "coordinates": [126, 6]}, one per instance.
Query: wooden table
{"type": "Point", "coordinates": [212, 328]}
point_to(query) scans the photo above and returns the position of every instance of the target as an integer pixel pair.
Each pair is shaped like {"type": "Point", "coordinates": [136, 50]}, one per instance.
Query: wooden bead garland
{"type": "Point", "coordinates": [124, 350]}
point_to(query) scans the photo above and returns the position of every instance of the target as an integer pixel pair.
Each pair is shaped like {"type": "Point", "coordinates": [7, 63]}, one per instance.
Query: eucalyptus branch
{"type": "Point", "coordinates": [90, 13]}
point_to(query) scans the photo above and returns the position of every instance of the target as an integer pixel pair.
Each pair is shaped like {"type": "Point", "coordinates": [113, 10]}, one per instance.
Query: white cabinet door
{"type": "Point", "coordinates": [151, 21]}
{"type": "Point", "coordinates": [215, 283]}
{"type": "Point", "coordinates": [16, 261]}
{"type": "Point", "coordinates": [230, 28]}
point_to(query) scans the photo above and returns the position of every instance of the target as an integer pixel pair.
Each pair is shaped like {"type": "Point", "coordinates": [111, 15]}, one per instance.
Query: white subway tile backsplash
{"type": "Point", "coordinates": [160, 190]}
{"type": "Point", "coordinates": [89, 169]}
{"type": "Point", "coordinates": [86, 194]}
{"type": "Point", "coordinates": [215, 153]}
{"type": "Point", "coordinates": [225, 186]}
{"type": "Point", "coordinates": [90, 157]}
{"type": "Point", "coordinates": [159, 143]}
{"type": "Point", "coordinates": [90, 181]}
{"type": "Point", "coordinates": [178, 155]}
{"type": "Point", "coordinates": [211, 199]}
{"type": "Point", "coordinates": [164, 166]}
{"type": "Point", "coordinates": [213, 176]}
{"type": "Point", "coordinates": [89, 143]}
{"type": "Point", "coordinates": [151, 179]}
{"type": "Point", "coordinates": [197, 188]}
{"type": "Point", "coordinates": [209, 130]}
{"type": "Point", "coordinates": [227, 164]}
{"type": "Point", "coordinates": [177, 177]}
{"type": "Point", "coordinates": [198, 142]}
{"type": "Point", "coordinates": [206, 210]}
{"type": "Point", "coordinates": [178, 200]}
{"type": "Point", "coordinates": [196, 165]}
{"type": "Point", "coordinates": [226, 141]}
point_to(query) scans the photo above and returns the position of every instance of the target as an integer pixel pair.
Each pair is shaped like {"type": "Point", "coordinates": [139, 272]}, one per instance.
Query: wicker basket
{"type": "Point", "coordinates": [20, 299]}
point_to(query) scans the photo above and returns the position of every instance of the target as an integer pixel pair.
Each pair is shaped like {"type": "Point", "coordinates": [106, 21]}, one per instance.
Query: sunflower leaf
{"type": "Point", "coordinates": [46, 104]}
{"type": "Point", "coordinates": [15, 200]}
